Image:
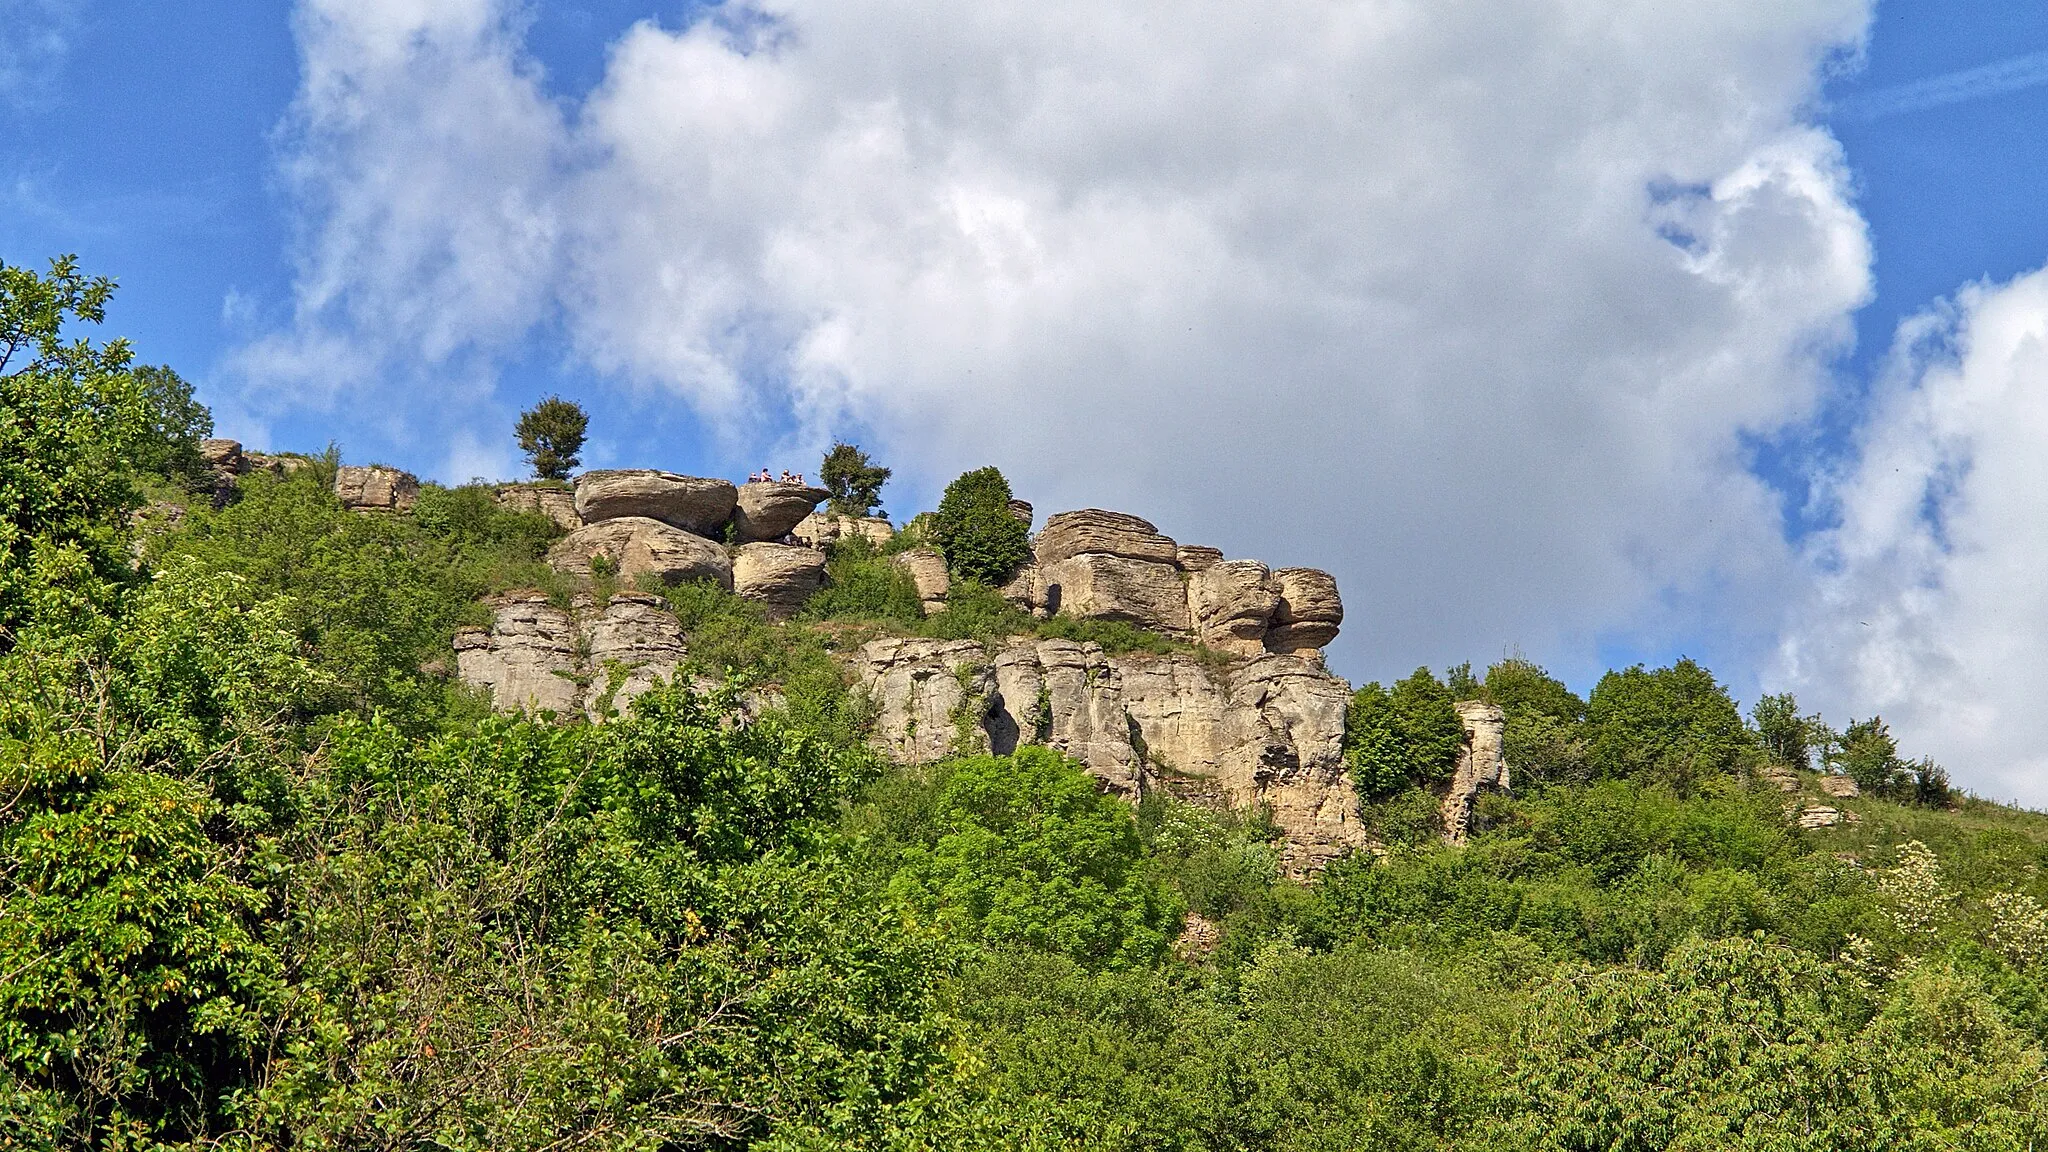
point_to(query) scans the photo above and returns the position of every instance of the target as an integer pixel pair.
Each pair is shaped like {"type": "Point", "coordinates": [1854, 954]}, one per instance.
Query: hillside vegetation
{"type": "Point", "coordinates": [271, 878]}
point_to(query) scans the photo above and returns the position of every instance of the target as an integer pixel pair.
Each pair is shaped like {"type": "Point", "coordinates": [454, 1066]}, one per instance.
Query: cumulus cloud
{"type": "Point", "coordinates": [1932, 608]}
{"type": "Point", "coordinates": [1471, 303]}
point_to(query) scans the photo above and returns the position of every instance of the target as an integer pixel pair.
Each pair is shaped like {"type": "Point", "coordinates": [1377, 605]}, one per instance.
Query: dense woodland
{"type": "Point", "coordinates": [272, 879]}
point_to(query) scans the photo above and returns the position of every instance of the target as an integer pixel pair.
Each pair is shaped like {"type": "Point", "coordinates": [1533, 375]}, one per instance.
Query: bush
{"type": "Point", "coordinates": [1409, 736]}
{"type": "Point", "coordinates": [1675, 725]}
{"type": "Point", "coordinates": [975, 531]}
{"type": "Point", "coordinates": [862, 584]}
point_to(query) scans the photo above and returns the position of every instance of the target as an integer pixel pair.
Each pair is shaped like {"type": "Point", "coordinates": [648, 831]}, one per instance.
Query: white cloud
{"type": "Point", "coordinates": [1933, 604]}
{"type": "Point", "coordinates": [36, 40]}
{"type": "Point", "coordinates": [1469, 302]}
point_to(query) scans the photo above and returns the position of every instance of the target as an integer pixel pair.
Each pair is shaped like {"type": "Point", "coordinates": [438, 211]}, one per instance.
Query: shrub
{"type": "Point", "coordinates": [1674, 724]}
{"type": "Point", "coordinates": [862, 584]}
{"type": "Point", "coordinates": [975, 531]}
{"type": "Point", "coordinates": [1408, 736]}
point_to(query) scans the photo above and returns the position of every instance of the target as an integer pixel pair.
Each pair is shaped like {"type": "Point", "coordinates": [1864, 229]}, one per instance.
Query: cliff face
{"type": "Point", "coordinates": [538, 657]}
{"type": "Point", "coordinates": [1267, 732]}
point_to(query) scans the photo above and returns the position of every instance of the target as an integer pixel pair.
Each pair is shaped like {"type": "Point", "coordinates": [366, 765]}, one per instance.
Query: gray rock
{"type": "Point", "coordinates": [375, 488]}
{"type": "Point", "coordinates": [769, 510]}
{"type": "Point", "coordinates": [779, 577]}
{"type": "Point", "coordinates": [931, 697]}
{"type": "Point", "coordinates": [1231, 604]}
{"type": "Point", "coordinates": [1027, 591]}
{"type": "Point", "coordinates": [1482, 763]}
{"type": "Point", "coordinates": [1021, 509]}
{"type": "Point", "coordinates": [634, 645]}
{"type": "Point", "coordinates": [695, 504]}
{"type": "Point", "coordinates": [1309, 612]}
{"type": "Point", "coordinates": [638, 546]}
{"type": "Point", "coordinates": [822, 529]}
{"type": "Point", "coordinates": [1068, 534]}
{"type": "Point", "coordinates": [527, 659]}
{"type": "Point", "coordinates": [1197, 557]}
{"type": "Point", "coordinates": [928, 571]}
{"type": "Point", "coordinates": [1101, 586]}
{"type": "Point", "coordinates": [557, 504]}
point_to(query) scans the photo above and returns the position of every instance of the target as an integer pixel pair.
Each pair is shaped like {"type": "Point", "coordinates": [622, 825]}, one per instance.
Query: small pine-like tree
{"type": "Point", "coordinates": [975, 530]}
{"type": "Point", "coordinates": [854, 481]}
{"type": "Point", "coordinates": [551, 435]}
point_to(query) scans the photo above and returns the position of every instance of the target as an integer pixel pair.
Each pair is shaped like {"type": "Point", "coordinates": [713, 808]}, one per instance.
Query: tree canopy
{"type": "Point", "coordinates": [551, 434]}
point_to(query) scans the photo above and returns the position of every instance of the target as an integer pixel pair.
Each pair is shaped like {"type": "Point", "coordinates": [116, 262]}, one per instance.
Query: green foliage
{"type": "Point", "coordinates": [551, 434]}
{"type": "Point", "coordinates": [1866, 753]}
{"type": "Point", "coordinates": [975, 531]}
{"type": "Point", "coordinates": [1408, 736]}
{"type": "Point", "coordinates": [1675, 724]}
{"type": "Point", "coordinates": [1029, 852]}
{"type": "Point", "coordinates": [862, 584]}
{"type": "Point", "coordinates": [177, 423]}
{"type": "Point", "coordinates": [1787, 737]}
{"type": "Point", "coordinates": [854, 481]}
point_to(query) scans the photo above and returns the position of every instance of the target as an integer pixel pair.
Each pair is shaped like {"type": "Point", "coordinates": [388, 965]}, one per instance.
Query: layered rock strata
{"type": "Point", "coordinates": [767, 511]}
{"type": "Point", "coordinates": [695, 504]}
{"type": "Point", "coordinates": [778, 577]}
{"type": "Point", "coordinates": [557, 504]}
{"type": "Point", "coordinates": [1482, 763]}
{"type": "Point", "coordinates": [820, 529]}
{"type": "Point", "coordinates": [375, 488]}
{"type": "Point", "coordinates": [927, 570]}
{"type": "Point", "coordinates": [636, 546]}
{"type": "Point", "coordinates": [1269, 733]}
{"type": "Point", "coordinates": [537, 657]}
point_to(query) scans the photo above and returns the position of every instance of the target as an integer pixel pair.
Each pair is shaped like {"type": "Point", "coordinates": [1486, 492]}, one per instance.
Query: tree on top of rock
{"type": "Point", "coordinates": [854, 481]}
{"type": "Point", "coordinates": [975, 530]}
{"type": "Point", "coordinates": [551, 435]}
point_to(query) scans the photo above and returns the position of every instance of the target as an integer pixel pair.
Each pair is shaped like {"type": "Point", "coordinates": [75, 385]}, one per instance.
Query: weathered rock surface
{"type": "Point", "coordinates": [224, 457]}
{"type": "Point", "coordinates": [1105, 586]}
{"type": "Point", "coordinates": [1068, 534]}
{"type": "Point", "coordinates": [1028, 592]}
{"type": "Point", "coordinates": [695, 504]}
{"type": "Point", "coordinates": [638, 546]}
{"type": "Point", "coordinates": [537, 657]}
{"type": "Point", "coordinates": [375, 488]}
{"type": "Point", "coordinates": [557, 504]}
{"type": "Point", "coordinates": [1021, 509]}
{"type": "Point", "coordinates": [1231, 605]}
{"type": "Point", "coordinates": [820, 529]}
{"type": "Point", "coordinates": [931, 697]}
{"type": "Point", "coordinates": [1197, 557]}
{"type": "Point", "coordinates": [1310, 611]}
{"type": "Point", "coordinates": [770, 510]}
{"type": "Point", "coordinates": [1815, 816]}
{"type": "Point", "coordinates": [1270, 733]}
{"type": "Point", "coordinates": [1840, 787]}
{"type": "Point", "coordinates": [928, 571]}
{"type": "Point", "coordinates": [1482, 763]}
{"type": "Point", "coordinates": [779, 577]}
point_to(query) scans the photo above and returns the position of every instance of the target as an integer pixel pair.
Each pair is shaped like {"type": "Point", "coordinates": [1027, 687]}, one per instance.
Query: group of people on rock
{"type": "Point", "coordinates": [765, 477]}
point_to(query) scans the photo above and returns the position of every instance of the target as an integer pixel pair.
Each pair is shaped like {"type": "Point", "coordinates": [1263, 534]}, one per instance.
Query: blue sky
{"type": "Point", "coordinates": [1438, 349]}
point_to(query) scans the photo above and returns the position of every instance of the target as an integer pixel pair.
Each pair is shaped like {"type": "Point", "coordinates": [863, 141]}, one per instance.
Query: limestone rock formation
{"type": "Point", "coordinates": [1107, 586]}
{"type": "Point", "coordinates": [1482, 763]}
{"type": "Point", "coordinates": [557, 504]}
{"type": "Point", "coordinates": [224, 457]}
{"type": "Point", "coordinates": [931, 697]}
{"type": "Point", "coordinates": [820, 529]}
{"type": "Point", "coordinates": [375, 488]}
{"type": "Point", "coordinates": [1092, 530]}
{"type": "Point", "coordinates": [1840, 787]}
{"type": "Point", "coordinates": [638, 546]}
{"type": "Point", "coordinates": [537, 657]}
{"type": "Point", "coordinates": [1021, 509]}
{"type": "Point", "coordinates": [1231, 604]}
{"type": "Point", "coordinates": [1028, 592]}
{"type": "Point", "coordinates": [1197, 557]}
{"type": "Point", "coordinates": [928, 571]}
{"type": "Point", "coordinates": [1309, 613]}
{"type": "Point", "coordinates": [778, 577]}
{"type": "Point", "coordinates": [1819, 816]}
{"type": "Point", "coordinates": [770, 510]}
{"type": "Point", "coordinates": [1270, 733]}
{"type": "Point", "coordinates": [695, 504]}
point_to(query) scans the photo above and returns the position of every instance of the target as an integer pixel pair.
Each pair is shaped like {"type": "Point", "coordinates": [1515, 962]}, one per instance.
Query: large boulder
{"type": "Point", "coordinates": [557, 504]}
{"type": "Point", "coordinates": [1068, 534]}
{"type": "Point", "coordinates": [779, 577]}
{"type": "Point", "coordinates": [928, 571]}
{"type": "Point", "coordinates": [769, 510]}
{"type": "Point", "coordinates": [822, 529]}
{"type": "Point", "coordinates": [1102, 586]}
{"type": "Point", "coordinates": [696, 504]}
{"type": "Point", "coordinates": [638, 546]}
{"type": "Point", "coordinates": [930, 697]}
{"type": "Point", "coordinates": [1231, 605]}
{"type": "Point", "coordinates": [1197, 557]}
{"type": "Point", "coordinates": [375, 488]}
{"type": "Point", "coordinates": [1309, 613]}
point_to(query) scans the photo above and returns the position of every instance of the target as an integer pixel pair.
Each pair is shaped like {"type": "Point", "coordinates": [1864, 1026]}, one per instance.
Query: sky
{"type": "Point", "coordinates": [1594, 332]}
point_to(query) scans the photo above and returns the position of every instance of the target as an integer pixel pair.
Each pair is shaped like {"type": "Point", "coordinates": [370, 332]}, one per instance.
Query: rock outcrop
{"type": "Point", "coordinates": [928, 571]}
{"type": "Point", "coordinates": [768, 510]}
{"type": "Point", "coordinates": [375, 488]}
{"type": "Point", "coordinates": [1108, 586]}
{"type": "Point", "coordinates": [1231, 605]}
{"type": "Point", "coordinates": [1027, 591]}
{"type": "Point", "coordinates": [695, 504]}
{"type": "Point", "coordinates": [224, 457]}
{"type": "Point", "coordinates": [557, 504]}
{"type": "Point", "coordinates": [778, 577]}
{"type": "Point", "coordinates": [821, 529]}
{"type": "Point", "coordinates": [1268, 734]}
{"type": "Point", "coordinates": [538, 657]}
{"type": "Point", "coordinates": [1482, 763]}
{"type": "Point", "coordinates": [1309, 611]}
{"type": "Point", "coordinates": [638, 546]}
{"type": "Point", "coordinates": [1840, 787]}
{"type": "Point", "coordinates": [1092, 530]}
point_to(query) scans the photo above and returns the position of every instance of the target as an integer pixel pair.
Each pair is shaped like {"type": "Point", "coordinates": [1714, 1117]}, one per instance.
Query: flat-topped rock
{"type": "Point", "coordinates": [1231, 605]}
{"type": "Point", "coordinates": [1197, 557]}
{"type": "Point", "coordinates": [557, 504]}
{"type": "Point", "coordinates": [768, 510]}
{"type": "Point", "coordinates": [697, 504]}
{"type": "Point", "coordinates": [1021, 509]}
{"type": "Point", "coordinates": [822, 529]}
{"type": "Point", "coordinates": [1310, 611]}
{"type": "Point", "coordinates": [1093, 530]}
{"type": "Point", "coordinates": [639, 546]}
{"type": "Point", "coordinates": [375, 488]}
{"type": "Point", "coordinates": [781, 578]}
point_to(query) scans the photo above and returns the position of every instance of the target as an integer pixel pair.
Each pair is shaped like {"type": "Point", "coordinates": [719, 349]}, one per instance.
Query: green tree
{"type": "Point", "coordinates": [177, 423]}
{"type": "Point", "coordinates": [1029, 851]}
{"type": "Point", "coordinates": [854, 481]}
{"type": "Point", "coordinates": [1786, 735]}
{"type": "Point", "coordinates": [1675, 725]}
{"type": "Point", "coordinates": [1410, 735]}
{"type": "Point", "coordinates": [975, 531]}
{"type": "Point", "coordinates": [71, 419]}
{"type": "Point", "coordinates": [551, 435]}
{"type": "Point", "coordinates": [1545, 740]}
